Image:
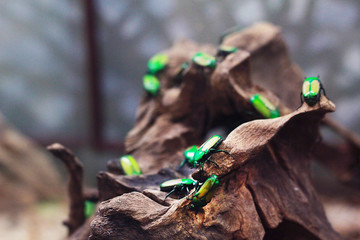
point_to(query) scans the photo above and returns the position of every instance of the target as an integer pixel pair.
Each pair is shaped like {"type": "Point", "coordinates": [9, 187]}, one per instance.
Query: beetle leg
{"type": "Point", "coordinates": [323, 89]}
{"type": "Point", "coordinates": [213, 162]}
{"type": "Point", "coordinates": [197, 185]}
{"type": "Point", "coordinates": [187, 191]}
{"type": "Point", "coordinates": [181, 164]}
{"type": "Point", "coordinates": [301, 100]}
{"type": "Point", "coordinates": [174, 189]}
{"type": "Point", "coordinates": [202, 166]}
{"type": "Point", "coordinates": [224, 151]}
{"type": "Point", "coordinates": [180, 191]}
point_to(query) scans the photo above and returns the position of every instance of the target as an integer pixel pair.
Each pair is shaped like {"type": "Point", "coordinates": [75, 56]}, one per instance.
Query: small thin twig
{"type": "Point", "coordinates": [75, 188]}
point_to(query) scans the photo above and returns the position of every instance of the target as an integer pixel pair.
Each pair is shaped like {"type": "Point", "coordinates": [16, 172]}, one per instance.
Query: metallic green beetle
{"type": "Point", "coordinates": [204, 60]}
{"type": "Point", "coordinates": [89, 208]}
{"type": "Point", "coordinates": [129, 166]}
{"type": "Point", "coordinates": [264, 106]}
{"type": "Point", "coordinates": [311, 90]}
{"type": "Point", "coordinates": [157, 63]}
{"type": "Point", "coordinates": [151, 84]}
{"type": "Point", "coordinates": [197, 157]}
{"type": "Point", "coordinates": [178, 186]}
{"type": "Point", "coordinates": [189, 154]}
{"type": "Point", "coordinates": [225, 50]}
{"type": "Point", "coordinates": [204, 195]}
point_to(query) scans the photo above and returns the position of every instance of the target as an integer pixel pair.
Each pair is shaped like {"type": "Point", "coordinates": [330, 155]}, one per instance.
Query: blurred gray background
{"type": "Point", "coordinates": [44, 78]}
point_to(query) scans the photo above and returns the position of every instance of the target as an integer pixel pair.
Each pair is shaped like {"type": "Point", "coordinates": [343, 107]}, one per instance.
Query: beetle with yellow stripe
{"type": "Point", "coordinates": [264, 106]}
{"type": "Point", "coordinates": [204, 195]}
{"type": "Point", "coordinates": [129, 166]}
{"type": "Point", "coordinates": [198, 157]}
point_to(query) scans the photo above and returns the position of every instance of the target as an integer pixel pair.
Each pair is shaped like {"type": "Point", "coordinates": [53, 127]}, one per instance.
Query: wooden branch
{"type": "Point", "coordinates": [75, 188]}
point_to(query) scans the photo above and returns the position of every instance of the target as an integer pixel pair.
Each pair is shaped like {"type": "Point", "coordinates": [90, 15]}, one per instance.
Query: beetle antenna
{"type": "Point", "coordinates": [224, 151]}
{"type": "Point", "coordinates": [181, 164]}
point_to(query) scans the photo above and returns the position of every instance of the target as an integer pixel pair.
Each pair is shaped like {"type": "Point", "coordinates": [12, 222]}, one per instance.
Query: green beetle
{"type": "Point", "coordinates": [204, 195]}
{"type": "Point", "coordinates": [151, 84]}
{"type": "Point", "coordinates": [89, 208]}
{"type": "Point", "coordinates": [178, 186]}
{"type": "Point", "coordinates": [197, 157]}
{"type": "Point", "coordinates": [129, 166]}
{"type": "Point", "coordinates": [264, 106]}
{"type": "Point", "coordinates": [204, 60]}
{"type": "Point", "coordinates": [157, 63]}
{"type": "Point", "coordinates": [225, 50]}
{"type": "Point", "coordinates": [311, 90]}
{"type": "Point", "coordinates": [189, 154]}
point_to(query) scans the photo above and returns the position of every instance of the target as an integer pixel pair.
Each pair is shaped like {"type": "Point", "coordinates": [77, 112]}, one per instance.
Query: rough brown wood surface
{"type": "Point", "coordinates": [182, 114]}
{"type": "Point", "coordinates": [265, 189]}
{"type": "Point", "coordinates": [264, 186]}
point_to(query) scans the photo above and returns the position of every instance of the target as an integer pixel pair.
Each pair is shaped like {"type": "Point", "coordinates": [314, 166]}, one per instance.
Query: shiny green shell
{"type": "Point", "coordinates": [311, 89]}
{"type": "Point", "coordinates": [189, 153]}
{"type": "Point", "coordinates": [204, 195]}
{"type": "Point", "coordinates": [264, 106]}
{"type": "Point", "coordinates": [170, 184]}
{"type": "Point", "coordinates": [157, 63]}
{"type": "Point", "coordinates": [225, 50]}
{"type": "Point", "coordinates": [151, 84]}
{"type": "Point", "coordinates": [204, 60]}
{"type": "Point", "coordinates": [129, 165]}
{"type": "Point", "coordinates": [194, 156]}
{"type": "Point", "coordinates": [89, 208]}
{"type": "Point", "coordinates": [210, 144]}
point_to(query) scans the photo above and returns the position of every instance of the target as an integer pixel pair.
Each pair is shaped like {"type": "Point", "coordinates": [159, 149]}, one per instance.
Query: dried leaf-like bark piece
{"type": "Point", "coordinates": [111, 185]}
{"type": "Point", "coordinates": [263, 188]}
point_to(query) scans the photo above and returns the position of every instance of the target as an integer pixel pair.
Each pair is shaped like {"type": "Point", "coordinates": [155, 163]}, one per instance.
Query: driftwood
{"type": "Point", "coordinates": [265, 190]}
{"type": "Point", "coordinates": [182, 116]}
